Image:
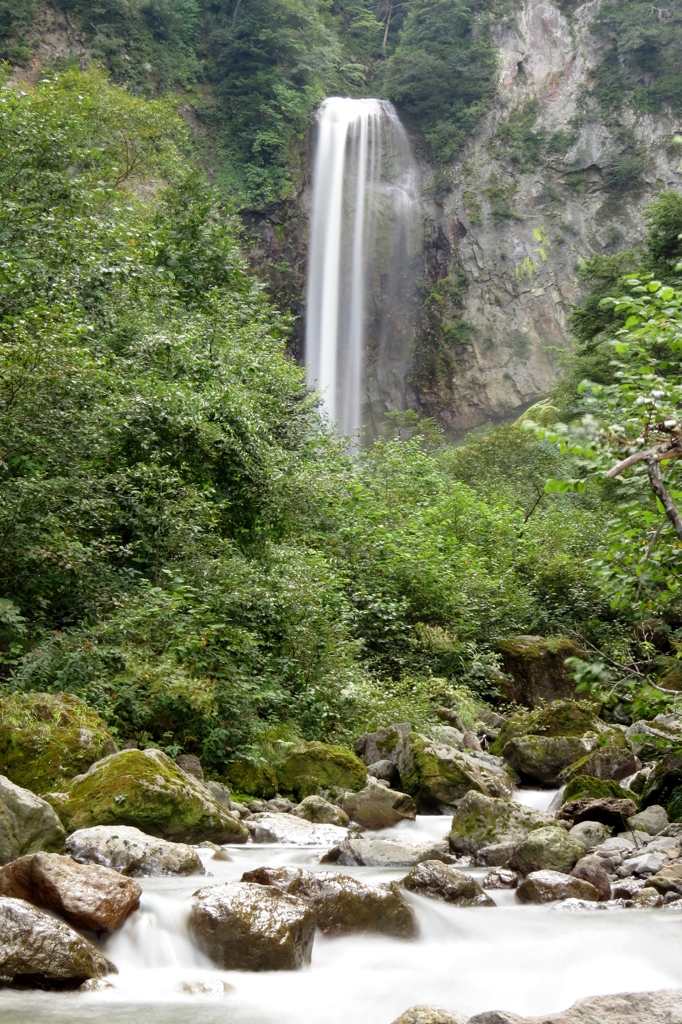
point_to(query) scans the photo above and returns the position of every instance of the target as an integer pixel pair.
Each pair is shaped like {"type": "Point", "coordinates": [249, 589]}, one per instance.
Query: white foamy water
{"type": "Point", "coordinates": [529, 960]}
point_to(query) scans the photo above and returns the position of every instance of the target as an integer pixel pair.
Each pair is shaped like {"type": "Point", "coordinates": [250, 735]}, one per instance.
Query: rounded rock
{"type": "Point", "coordinates": [443, 882]}
{"type": "Point", "coordinates": [550, 849]}
{"type": "Point", "coordinates": [547, 886]}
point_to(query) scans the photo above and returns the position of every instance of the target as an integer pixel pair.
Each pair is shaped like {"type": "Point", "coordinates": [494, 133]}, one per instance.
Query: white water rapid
{"type": "Point", "coordinates": [528, 960]}
{"type": "Point", "coordinates": [363, 243]}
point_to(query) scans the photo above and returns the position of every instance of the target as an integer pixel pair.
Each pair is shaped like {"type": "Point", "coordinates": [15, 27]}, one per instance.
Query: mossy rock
{"type": "Point", "coordinates": [315, 768]}
{"type": "Point", "coordinates": [252, 778]}
{"type": "Point", "coordinates": [481, 821]}
{"type": "Point", "coordinates": [48, 738]}
{"type": "Point", "coordinates": [144, 788]}
{"type": "Point", "coordinates": [609, 762]}
{"type": "Point", "coordinates": [441, 776]}
{"type": "Point", "coordinates": [548, 849]}
{"type": "Point", "coordinates": [536, 670]}
{"type": "Point", "coordinates": [587, 786]}
{"type": "Point", "coordinates": [561, 718]}
{"type": "Point", "coordinates": [539, 760]}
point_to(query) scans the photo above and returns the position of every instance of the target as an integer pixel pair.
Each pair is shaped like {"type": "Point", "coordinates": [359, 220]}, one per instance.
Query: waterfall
{"type": "Point", "coordinates": [362, 273]}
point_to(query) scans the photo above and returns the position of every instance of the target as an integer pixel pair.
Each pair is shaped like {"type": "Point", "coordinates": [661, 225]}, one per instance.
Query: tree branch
{"type": "Point", "coordinates": [659, 454]}
{"type": "Point", "coordinates": [663, 495]}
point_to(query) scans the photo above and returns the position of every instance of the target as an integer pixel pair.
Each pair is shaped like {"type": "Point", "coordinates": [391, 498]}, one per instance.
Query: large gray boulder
{"type": "Point", "coordinates": [383, 853]}
{"type": "Point", "coordinates": [320, 811]}
{"type": "Point", "coordinates": [591, 833]}
{"type": "Point", "coordinates": [540, 760]}
{"type": "Point", "coordinates": [38, 950]}
{"type": "Point", "coordinates": [615, 763]}
{"type": "Point", "coordinates": [288, 828]}
{"type": "Point", "coordinates": [27, 823]}
{"type": "Point", "coordinates": [243, 926]}
{"type": "Point", "coordinates": [376, 807]}
{"type": "Point", "coordinates": [490, 828]}
{"type": "Point", "coordinates": [663, 1007]}
{"type": "Point", "coordinates": [390, 744]}
{"type": "Point", "coordinates": [88, 896]}
{"type": "Point", "coordinates": [343, 905]}
{"type": "Point", "coordinates": [443, 882]}
{"type": "Point", "coordinates": [130, 851]}
{"type": "Point", "coordinates": [611, 811]}
{"type": "Point", "coordinates": [547, 886]}
{"type": "Point", "coordinates": [548, 848]}
{"type": "Point", "coordinates": [652, 819]}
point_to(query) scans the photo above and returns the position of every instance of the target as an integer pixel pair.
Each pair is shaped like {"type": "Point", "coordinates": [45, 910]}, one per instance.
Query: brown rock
{"type": "Point", "coordinates": [590, 870]}
{"type": "Point", "coordinates": [430, 1015]}
{"type": "Point", "coordinates": [668, 879]}
{"type": "Point", "coordinates": [611, 811]}
{"type": "Point", "coordinates": [320, 811]}
{"type": "Point", "coordinates": [246, 927]}
{"type": "Point", "coordinates": [376, 806]}
{"type": "Point", "coordinates": [443, 882]}
{"type": "Point", "coordinates": [343, 905]}
{"type": "Point", "coordinates": [536, 670]}
{"type": "Point", "coordinates": [501, 878]}
{"type": "Point", "coordinates": [546, 886]}
{"type": "Point", "coordinates": [88, 896]}
{"type": "Point", "coordinates": [191, 765]}
{"type": "Point", "coordinates": [647, 898]}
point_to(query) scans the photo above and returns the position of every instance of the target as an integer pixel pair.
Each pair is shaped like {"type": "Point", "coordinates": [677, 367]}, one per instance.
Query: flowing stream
{"type": "Point", "coordinates": [529, 960]}
{"type": "Point", "coordinates": [364, 232]}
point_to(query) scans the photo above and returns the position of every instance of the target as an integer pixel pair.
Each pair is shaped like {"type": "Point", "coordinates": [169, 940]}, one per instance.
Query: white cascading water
{"type": "Point", "coordinates": [362, 250]}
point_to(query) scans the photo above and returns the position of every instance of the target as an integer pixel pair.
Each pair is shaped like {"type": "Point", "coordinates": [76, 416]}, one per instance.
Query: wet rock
{"type": "Point", "coordinates": [591, 833]}
{"type": "Point", "coordinates": [88, 896]}
{"type": "Point", "coordinates": [243, 926]}
{"type": "Point", "coordinates": [668, 879]}
{"type": "Point", "coordinates": [585, 787]}
{"type": "Point", "coordinates": [548, 848]}
{"type": "Point", "coordinates": [626, 888]}
{"type": "Point", "coordinates": [541, 759]}
{"type": "Point", "coordinates": [663, 1007]}
{"type": "Point", "coordinates": [288, 828]}
{"type": "Point", "coordinates": [481, 822]}
{"type": "Point", "coordinates": [652, 819]}
{"type": "Point", "coordinates": [392, 744]}
{"type": "Point", "coordinates": [501, 878]}
{"type": "Point", "coordinates": [429, 1015]}
{"type": "Point", "coordinates": [386, 771]}
{"type": "Point", "coordinates": [191, 765]}
{"type": "Point", "coordinates": [590, 869]}
{"type": "Point", "coordinates": [218, 852]}
{"type": "Point", "coordinates": [535, 669]}
{"type": "Point", "coordinates": [383, 853]}
{"type": "Point", "coordinates": [444, 882]}
{"type": "Point", "coordinates": [27, 823]}
{"type": "Point", "coordinates": [319, 811]}
{"type": "Point", "coordinates": [376, 807]}
{"type": "Point", "coordinates": [647, 898]}
{"type": "Point", "coordinates": [615, 763]}
{"type": "Point", "coordinates": [131, 852]}
{"type": "Point", "coordinates": [546, 886]}
{"type": "Point", "coordinates": [147, 790]}
{"type": "Point", "coordinates": [47, 738]}
{"type": "Point", "coordinates": [220, 794]}
{"type": "Point", "coordinates": [560, 719]}
{"type": "Point", "coordinates": [37, 950]}
{"type": "Point", "coordinates": [609, 811]}
{"type": "Point", "coordinates": [253, 777]}
{"type": "Point", "coordinates": [315, 768]}
{"type": "Point", "coordinates": [442, 775]}
{"type": "Point", "coordinates": [344, 905]}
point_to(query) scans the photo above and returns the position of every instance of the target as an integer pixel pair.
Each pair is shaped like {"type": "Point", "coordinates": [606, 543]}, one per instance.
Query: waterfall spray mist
{"type": "Point", "coordinates": [364, 242]}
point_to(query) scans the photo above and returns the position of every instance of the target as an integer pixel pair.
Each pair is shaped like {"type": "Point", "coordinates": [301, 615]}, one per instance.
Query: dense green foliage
{"type": "Point", "coordinates": [184, 542]}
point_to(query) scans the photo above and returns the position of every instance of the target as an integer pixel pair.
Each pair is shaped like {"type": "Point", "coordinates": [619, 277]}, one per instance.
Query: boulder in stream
{"type": "Point", "coordinates": [321, 812]}
{"type": "Point", "coordinates": [288, 828]}
{"type": "Point", "coordinates": [130, 851]}
{"type": "Point", "coordinates": [27, 823]}
{"type": "Point", "coordinates": [39, 951]}
{"type": "Point", "coordinates": [88, 896]}
{"type": "Point", "coordinates": [318, 768]}
{"type": "Point", "coordinates": [443, 882]}
{"type": "Point", "coordinates": [549, 848]}
{"type": "Point", "coordinates": [384, 853]}
{"type": "Point", "coordinates": [590, 869]}
{"type": "Point", "coordinates": [615, 763]}
{"type": "Point", "coordinates": [539, 760]}
{"type": "Point", "coordinates": [243, 926]}
{"type": "Point", "coordinates": [441, 775]}
{"type": "Point", "coordinates": [146, 789]}
{"type": "Point", "coordinates": [652, 819]}
{"type": "Point", "coordinates": [591, 833]}
{"type": "Point", "coordinates": [611, 811]}
{"type": "Point", "coordinates": [344, 905]}
{"type": "Point", "coordinates": [430, 1015]}
{"type": "Point", "coordinates": [662, 1007]}
{"type": "Point", "coordinates": [376, 807]}
{"type": "Point", "coordinates": [547, 886]}
{"type": "Point", "coordinates": [385, 771]}
{"type": "Point", "coordinates": [490, 828]}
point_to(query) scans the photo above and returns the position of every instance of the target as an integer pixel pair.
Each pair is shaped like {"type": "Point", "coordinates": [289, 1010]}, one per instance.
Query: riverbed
{"type": "Point", "coordinates": [529, 960]}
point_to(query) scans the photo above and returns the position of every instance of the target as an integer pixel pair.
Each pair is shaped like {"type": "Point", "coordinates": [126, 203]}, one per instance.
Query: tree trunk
{"type": "Point", "coordinates": [663, 495]}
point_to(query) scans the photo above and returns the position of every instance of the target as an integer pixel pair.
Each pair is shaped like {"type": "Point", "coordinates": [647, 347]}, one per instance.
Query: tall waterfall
{"type": "Point", "coordinates": [362, 270]}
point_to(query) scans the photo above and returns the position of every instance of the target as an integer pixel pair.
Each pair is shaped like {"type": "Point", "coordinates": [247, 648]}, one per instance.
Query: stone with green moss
{"type": "Point", "coordinates": [483, 822]}
{"type": "Point", "coordinates": [146, 789]}
{"type": "Point", "coordinates": [561, 718]}
{"type": "Point", "coordinates": [442, 775]}
{"type": "Point", "coordinates": [536, 670]}
{"type": "Point", "coordinates": [610, 762]}
{"type": "Point", "coordinates": [252, 778]}
{"type": "Point", "coordinates": [47, 738]}
{"type": "Point", "coordinates": [317, 768]}
{"type": "Point", "coordinates": [539, 760]}
{"type": "Point", "coordinates": [583, 786]}
{"type": "Point", "coordinates": [548, 849]}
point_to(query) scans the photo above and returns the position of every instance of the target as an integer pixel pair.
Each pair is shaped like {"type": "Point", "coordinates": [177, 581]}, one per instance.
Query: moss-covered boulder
{"type": "Point", "coordinates": [253, 778]}
{"type": "Point", "coordinates": [664, 785]}
{"type": "Point", "coordinates": [47, 738]}
{"type": "Point", "coordinates": [548, 849]}
{"type": "Point", "coordinates": [317, 768]}
{"type": "Point", "coordinates": [650, 740]}
{"type": "Point", "coordinates": [536, 670]}
{"type": "Point", "coordinates": [561, 718]}
{"type": "Point", "coordinates": [583, 786]}
{"type": "Point", "coordinates": [539, 760]}
{"type": "Point", "coordinates": [603, 763]}
{"type": "Point", "coordinates": [490, 829]}
{"type": "Point", "coordinates": [442, 775]}
{"type": "Point", "coordinates": [146, 789]}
